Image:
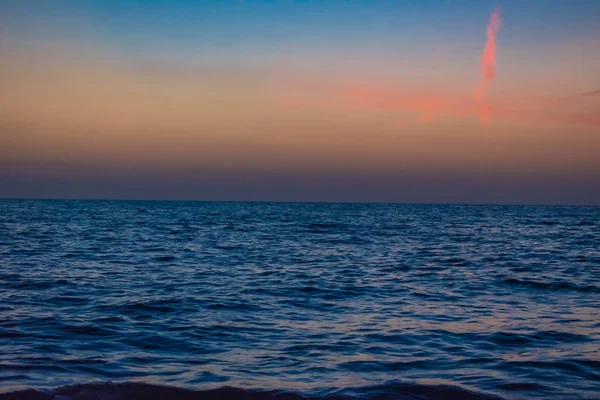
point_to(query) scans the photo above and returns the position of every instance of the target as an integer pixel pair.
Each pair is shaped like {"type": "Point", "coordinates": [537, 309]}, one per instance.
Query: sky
{"type": "Point", "coordinates": [455, 101]}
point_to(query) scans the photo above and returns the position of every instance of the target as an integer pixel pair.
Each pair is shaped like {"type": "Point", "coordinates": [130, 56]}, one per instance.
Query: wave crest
{"type": "Point", "coordinates": [139, 391]}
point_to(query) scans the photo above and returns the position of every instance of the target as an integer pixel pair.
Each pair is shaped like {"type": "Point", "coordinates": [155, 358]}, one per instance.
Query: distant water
{"type": "Point", "coordinates": [323, 300]}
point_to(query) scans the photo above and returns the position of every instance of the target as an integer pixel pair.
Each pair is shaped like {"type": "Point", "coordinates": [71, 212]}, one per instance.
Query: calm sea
{"type": "Point", "coordinates": [323, 300]}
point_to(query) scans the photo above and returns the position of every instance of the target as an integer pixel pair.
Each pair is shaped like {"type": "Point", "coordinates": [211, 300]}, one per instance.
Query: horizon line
{"type": "Point", "coordinates": [298, 202]}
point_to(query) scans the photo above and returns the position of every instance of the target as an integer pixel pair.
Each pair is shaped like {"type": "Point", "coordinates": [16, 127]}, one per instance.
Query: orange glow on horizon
{"type": "Point", "coordinates": [86, 106]}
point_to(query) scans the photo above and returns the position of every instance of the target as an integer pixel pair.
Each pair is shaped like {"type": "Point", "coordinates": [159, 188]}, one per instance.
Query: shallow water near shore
{"type": "Point", "coordinates": [360, 300]}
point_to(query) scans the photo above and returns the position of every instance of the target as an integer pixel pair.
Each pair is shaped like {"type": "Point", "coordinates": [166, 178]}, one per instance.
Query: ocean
{"type": "Point", "coordinates": [282, 300]}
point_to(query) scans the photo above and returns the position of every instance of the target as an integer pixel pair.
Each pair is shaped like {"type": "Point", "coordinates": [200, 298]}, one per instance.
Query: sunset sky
{"type": "Point", "coordinates": [392, 101]}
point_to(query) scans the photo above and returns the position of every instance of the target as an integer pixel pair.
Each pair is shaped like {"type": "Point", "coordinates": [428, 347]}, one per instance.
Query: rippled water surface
{"type": "Point", "coordinates": [314, 298]}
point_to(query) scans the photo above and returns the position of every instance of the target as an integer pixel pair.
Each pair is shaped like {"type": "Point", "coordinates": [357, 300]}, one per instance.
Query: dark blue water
{"type": "Point", "coordinates": [324, 300]}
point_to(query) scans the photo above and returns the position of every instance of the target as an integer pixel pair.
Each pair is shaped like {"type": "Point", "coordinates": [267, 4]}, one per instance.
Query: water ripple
{"type": "Point", "coordinates": [319, 300]}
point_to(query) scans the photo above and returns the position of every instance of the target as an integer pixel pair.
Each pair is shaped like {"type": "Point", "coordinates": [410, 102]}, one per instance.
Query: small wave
{"type": "Point", "coordinates": [551, 337]}
{"type": "Point", "coordinates": [370, 366]}
{"type": "Point", "coordinates": [86, 330]}
{"type": "Point", "coordinates": [549, 223]}
{"type": "Point", "coordinates": [69, 300]}
{"type": "Point", "coordinates": [165, 258]}
{"type": "Point", "coordinates": [232, 306]}
{"type": "Point", "coordinates": [158, 306]}
{"type": "Point", "coordinates": [552, 285]}
{"type": "Point", "coordinates": [352, 240]}
{"type": "Point", "coordinates": [457, 262]}
{"type": "Point", "coordinates": [520, 386]}
{"type": "Point", "coordinates": [325, 225]}
{"type": "Point", "coordinates": [139, 391]}
{"type": "Point", "coordinates": [227, 247]}
{"type": "Point", "coordinates": [569, 365]}
{"type": "Point", "coordinates": [6, 334]}
{"type": "Point", "coordinates": [39, 285]}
